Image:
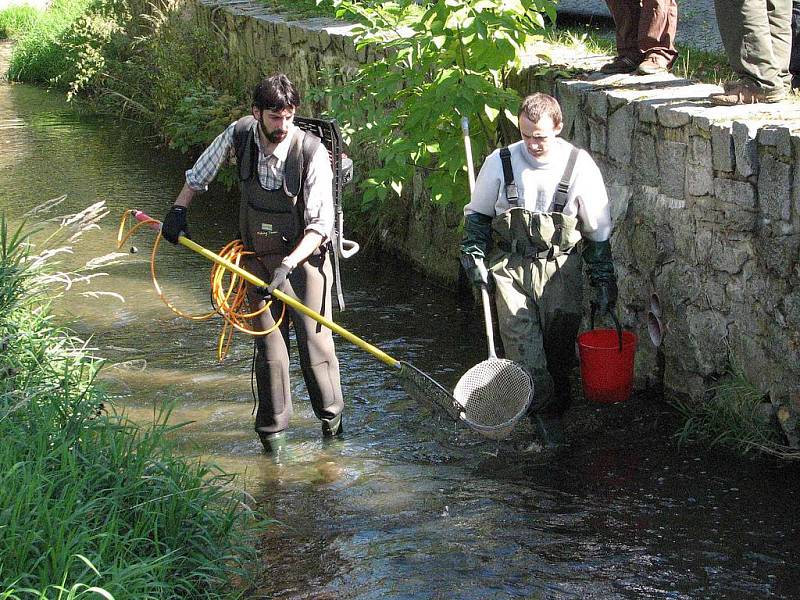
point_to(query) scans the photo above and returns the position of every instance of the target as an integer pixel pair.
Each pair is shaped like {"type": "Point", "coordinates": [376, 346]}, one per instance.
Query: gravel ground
{"type": "Point", "coordinates": [697, 23]}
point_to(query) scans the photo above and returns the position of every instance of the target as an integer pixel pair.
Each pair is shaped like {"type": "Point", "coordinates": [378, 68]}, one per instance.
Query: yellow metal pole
{"type": "Point", "coordinates": [293, 302]}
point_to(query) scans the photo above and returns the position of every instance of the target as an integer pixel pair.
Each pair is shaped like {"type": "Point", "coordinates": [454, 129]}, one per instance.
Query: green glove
{"type": "Point", "coordinates": [477, 235]}
{"type": "Point", "coordinates": [600, 267]}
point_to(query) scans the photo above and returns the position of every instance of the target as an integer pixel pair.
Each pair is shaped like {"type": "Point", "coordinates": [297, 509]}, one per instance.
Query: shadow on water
{"type": "Point", "coordinates": [406, 505]}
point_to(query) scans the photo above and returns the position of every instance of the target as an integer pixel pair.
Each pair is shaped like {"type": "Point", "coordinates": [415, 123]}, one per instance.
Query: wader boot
{"type": "Point", "coordinates": [332, 427]}
{"type": "Point", "coordinates": [274, 444]}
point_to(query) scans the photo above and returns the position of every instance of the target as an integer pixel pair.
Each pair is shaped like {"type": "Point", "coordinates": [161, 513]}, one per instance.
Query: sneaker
{"type": "Point", "coordinates": [620, 65]}
{"type": "Point", "coordinates": [653, 65]}
{"type": "Point", "coordinates": [736, 93]}
{"type": "Point", "coordinates": [333, 427]}
{"type": "Point", "coordinates": [549, 430]}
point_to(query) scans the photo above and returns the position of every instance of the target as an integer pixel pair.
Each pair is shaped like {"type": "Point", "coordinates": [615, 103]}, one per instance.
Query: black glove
{"type": "Point", "coordinates": [475, 269]}
{"type": "Point", "coordinates": [279, 276]}
{"type": "Point", "coordinates": [600, 267]}
{"type": "Point", "coordinates": [174, 224]}
{"type": "Point", "coordinates": [605, 298]}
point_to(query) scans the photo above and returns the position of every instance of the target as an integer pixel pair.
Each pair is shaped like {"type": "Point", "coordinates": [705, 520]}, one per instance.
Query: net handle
{"type": "Point", "coordinates": [487, 320]}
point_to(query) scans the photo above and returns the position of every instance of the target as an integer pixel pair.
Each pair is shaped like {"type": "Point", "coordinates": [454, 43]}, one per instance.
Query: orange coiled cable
{"type": "Point", "coordinates": [228, 290]}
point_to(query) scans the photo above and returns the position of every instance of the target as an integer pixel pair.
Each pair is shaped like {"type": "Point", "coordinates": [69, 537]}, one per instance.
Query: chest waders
{"type": "Point", "coordinates": [539, 299]}
{"type": "Point", "coordinates": [271, 224]}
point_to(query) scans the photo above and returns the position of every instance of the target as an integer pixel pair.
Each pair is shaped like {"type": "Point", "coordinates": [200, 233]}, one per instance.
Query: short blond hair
{"type": "Point", "coordinates": [539, 105]}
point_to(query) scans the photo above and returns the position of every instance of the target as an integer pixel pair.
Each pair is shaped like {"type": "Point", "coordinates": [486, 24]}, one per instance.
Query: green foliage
{"type": "Point", "coordinates": [439, 62]}
{"type": "Point", "coordinates": [160, 69]}
{"type": "Point", "coordinates": [37, 57]}
{"type": "Point", "coordinates": [300, 9]}
{"type": "Point", "coordinates": [735, 415]}
{"type": "Point", "coordinates": [98, 33]}
{"type": "Point", "coordinates": [200, 116]}
{"type": "Point", "coordinates": [86, 496]}
{"type": "Point", "coordinates": [16, 20]}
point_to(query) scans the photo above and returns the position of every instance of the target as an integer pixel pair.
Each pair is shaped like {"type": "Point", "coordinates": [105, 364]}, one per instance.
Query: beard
{"type": "Point", "coordinates": [276, 136]}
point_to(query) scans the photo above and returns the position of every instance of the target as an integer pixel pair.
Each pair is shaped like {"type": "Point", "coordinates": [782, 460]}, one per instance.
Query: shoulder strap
{"type": "Point", "coordinates": [562, 190]}
{"type": "Point", "coordinates": [301, 153]}
{"type": "Point", "coordinates": [508, 176]}
{"type": "Point", "coordinates": [244, 145]}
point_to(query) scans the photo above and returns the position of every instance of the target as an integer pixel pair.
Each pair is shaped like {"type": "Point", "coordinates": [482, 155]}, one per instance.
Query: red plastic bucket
{"type": "Point", "coordinates": [606, 373]}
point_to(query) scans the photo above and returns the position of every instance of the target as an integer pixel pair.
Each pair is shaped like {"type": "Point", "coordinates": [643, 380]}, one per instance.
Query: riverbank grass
{"type": "Point", "coordinates": [16, 20]}
{"type": "Point", "coordinates": [90, 501]}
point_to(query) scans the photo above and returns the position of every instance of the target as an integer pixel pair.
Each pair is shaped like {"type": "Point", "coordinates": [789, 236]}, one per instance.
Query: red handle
{"type": "Point", "coordinates": [142, 216]}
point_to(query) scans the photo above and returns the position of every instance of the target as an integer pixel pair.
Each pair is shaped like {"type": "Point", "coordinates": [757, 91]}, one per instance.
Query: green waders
{"type": "Point", "coordinates": [539, 298]}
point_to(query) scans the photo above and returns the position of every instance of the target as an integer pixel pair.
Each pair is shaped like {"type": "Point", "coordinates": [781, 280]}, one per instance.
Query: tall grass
{"type": "Point", "coordinates": [734, 416]}
{"type": "Point", "coordinates": [37, 57]}
{"type": "Point", "coordinates": [15, 20]}
{"type": "Point", "coordinates": [91, 503]}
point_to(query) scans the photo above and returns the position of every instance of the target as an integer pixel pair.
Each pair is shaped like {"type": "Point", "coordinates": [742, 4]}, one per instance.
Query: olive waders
{"type": "Point", "coordinates": [271, 223]}
{"type": "Point", "coordinates": [539, 290]}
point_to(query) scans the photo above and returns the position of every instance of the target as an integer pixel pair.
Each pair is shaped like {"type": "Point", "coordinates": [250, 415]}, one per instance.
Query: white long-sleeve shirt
{"type": "Point", "coordinates": [318, 189]}
{"type": "Point", "coordinates": [536, 182]}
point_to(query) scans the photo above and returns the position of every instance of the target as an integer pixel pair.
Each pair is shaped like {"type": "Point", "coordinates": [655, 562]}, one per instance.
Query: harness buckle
{"type": "Point", "coordinates": [511, 194]}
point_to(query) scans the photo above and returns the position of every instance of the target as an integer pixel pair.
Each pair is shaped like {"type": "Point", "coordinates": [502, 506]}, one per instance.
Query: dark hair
{"type": "Point", "coordinates": [539, 105]}
{"type": "Point", "coordinates": [276, 93]}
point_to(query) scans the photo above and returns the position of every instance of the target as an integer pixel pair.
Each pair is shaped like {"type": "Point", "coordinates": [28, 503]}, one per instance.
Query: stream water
{"type": "Point", "coordinates": [406, 505]}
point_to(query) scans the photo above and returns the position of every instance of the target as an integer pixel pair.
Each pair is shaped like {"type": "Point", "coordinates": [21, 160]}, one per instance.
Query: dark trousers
{"type": "Point", "coordinates": [646, 28]}
{"type": "Point", "coordinates": [310, 283]}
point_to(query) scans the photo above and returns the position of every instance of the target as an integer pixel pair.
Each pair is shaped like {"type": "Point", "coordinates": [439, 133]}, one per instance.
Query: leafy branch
{"type": "Point", "coordinates": [438, 62]}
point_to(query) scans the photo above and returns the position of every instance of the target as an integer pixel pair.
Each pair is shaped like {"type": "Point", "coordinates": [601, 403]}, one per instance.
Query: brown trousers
{"type": "Point", "coordinates": [645, 28]}
{"type": "Point", "coordinates": [310, 283]}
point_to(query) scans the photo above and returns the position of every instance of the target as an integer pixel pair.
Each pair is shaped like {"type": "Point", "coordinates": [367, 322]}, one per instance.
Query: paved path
{"type": "Point", "coordinates": [697, 24]}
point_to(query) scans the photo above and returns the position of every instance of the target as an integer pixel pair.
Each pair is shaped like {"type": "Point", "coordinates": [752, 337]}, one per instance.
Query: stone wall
{"type": "Point", "coordinates": [706, 202]}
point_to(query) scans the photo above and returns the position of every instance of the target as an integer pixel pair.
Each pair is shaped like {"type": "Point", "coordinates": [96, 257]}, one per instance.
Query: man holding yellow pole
{"type": "Point", "coordinates": [286, 220]}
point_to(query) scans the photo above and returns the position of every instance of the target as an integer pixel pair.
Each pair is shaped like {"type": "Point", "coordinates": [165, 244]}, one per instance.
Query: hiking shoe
{"type": "Point", "coordinates": [653, 65]}
{"type": "Point", "coordinates": [739, 93]}
{"type": "Point", "coordinates": [333, 427]}
{"type": "Point", "coordinates": [620, 65]}
{"type": "Point", "coordinates": [549, 430]}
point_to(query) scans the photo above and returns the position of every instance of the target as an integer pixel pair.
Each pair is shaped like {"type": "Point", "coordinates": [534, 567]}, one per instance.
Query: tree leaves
{"type": "Point", "coordinates": [442, 60]}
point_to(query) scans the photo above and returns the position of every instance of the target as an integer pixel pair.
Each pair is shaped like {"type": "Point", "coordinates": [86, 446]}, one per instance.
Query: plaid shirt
{"type": "Point", "coordinates": [318, 189]}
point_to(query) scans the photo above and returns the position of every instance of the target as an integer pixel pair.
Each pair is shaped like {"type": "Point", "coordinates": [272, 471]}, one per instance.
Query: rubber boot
{"type": "Point", "coordinates": [274, 444]}
{"type": "Point", "coordinates": [333, 427]}
{"type": "Point", "coordinates": [550, 430]}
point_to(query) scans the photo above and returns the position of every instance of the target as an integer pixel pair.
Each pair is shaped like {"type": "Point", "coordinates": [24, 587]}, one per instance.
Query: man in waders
{"type": "Point", "coordinates": [535, 204]}
{"type": "Point", "coordinates": [286, 219]}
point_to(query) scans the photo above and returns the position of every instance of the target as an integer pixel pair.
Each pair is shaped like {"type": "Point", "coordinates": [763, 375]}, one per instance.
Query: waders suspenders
{"type": "Point", "coordinates": [559, 197]}
{"type": "Point", "coordinates": [562, 189]}
{"type": "Point", "coordinates": [508, 176]}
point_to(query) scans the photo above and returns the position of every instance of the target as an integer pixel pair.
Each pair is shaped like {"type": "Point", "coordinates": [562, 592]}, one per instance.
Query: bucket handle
{"type": "Point", "coordinates": [613, 314]}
